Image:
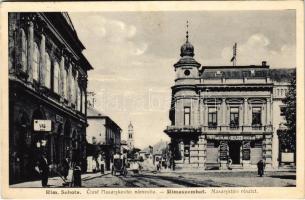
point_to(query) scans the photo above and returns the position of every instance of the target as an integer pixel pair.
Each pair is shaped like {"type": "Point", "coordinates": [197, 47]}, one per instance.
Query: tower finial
{"type": "Point", "coordinates": [187, 31]}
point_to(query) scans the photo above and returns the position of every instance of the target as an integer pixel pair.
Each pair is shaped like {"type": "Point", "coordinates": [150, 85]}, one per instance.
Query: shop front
{"type": "Point", "coordinates": [230, 151]}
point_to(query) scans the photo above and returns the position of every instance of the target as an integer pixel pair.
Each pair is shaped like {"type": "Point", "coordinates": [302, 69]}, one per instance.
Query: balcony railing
{"type": "Point", "coordinates": [268, 128]}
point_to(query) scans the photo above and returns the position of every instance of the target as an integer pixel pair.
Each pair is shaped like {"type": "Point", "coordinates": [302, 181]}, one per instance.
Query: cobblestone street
{"type": "Point", "coordinates": [179, 179]}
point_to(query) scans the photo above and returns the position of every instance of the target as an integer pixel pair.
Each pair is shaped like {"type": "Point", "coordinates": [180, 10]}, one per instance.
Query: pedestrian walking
{"type": "Point", "coordinates": [159, 166]}
{"type": "Point", "coordinates": [229, 163]}
{"type": "Point", "coordinates": [260, 168]}
{"type": "Point", "coordinates": [65, 168]}
{"type": "Point", "coordinates": [43, 168]}
{"type": "Point", "coordinates": [77, 180]}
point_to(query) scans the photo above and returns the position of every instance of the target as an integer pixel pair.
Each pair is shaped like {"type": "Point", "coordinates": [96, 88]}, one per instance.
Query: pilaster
{"type": "Point", "coordinates": [223, 105]}
{"type": "Point", "coordinates": [42, 63]}
{"type": "Point", "coordinates": [246, 107]}
{"type": "Point", "coordinates": [268, 112]}
{"type": "Point", "coordinates": [267, 150]}
{"type": "Point", "coordinates": [62, 77]}
{"type": "Point", "coordinates": [70, 77]}
{"type": "Point", "coordinates": [30, 44]}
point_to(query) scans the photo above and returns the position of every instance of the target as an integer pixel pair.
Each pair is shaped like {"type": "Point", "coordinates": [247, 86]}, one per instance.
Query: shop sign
{"type": "Point", "coordinates": [232, 137]}
{"type": "Point", "coordinates": [287, 157]}
{"type": "Point", "coordinates": [249, 137]}
{"type": "Point", "coordinates": [59, 118]}
{"type": "Point", "coordinates": [42, 125]}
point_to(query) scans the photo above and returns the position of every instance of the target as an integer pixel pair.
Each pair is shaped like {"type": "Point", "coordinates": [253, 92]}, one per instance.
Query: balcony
{"type": "Point", "coordinates": [178, 130]}
{"type": "Point", "coordinates": [237, 129]}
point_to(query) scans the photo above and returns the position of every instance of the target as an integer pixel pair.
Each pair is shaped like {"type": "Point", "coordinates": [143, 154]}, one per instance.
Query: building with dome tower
{"type": "Point", "coordinates": [222, 113]}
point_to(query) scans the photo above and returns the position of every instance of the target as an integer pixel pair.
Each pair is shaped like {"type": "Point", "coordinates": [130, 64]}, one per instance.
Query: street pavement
{"type": "Point", "coordinates": [148, 179]}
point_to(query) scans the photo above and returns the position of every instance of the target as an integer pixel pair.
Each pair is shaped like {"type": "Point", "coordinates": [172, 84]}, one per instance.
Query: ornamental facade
{"type": "Point", "coordinates": [47, 82]}
{"type": "Point", "coordinates": [225, 112]}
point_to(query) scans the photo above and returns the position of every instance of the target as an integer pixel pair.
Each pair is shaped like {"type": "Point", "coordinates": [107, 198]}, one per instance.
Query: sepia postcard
{"type": "Point", "coordinates": [170, 100]}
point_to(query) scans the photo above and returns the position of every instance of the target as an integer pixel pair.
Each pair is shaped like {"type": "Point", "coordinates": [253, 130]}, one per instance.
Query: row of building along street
{"type": "Point", "coordinates": [224, 119]}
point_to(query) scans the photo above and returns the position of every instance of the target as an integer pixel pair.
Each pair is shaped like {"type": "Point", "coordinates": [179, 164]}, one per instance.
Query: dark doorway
{"type": "Point", "coordinates": [66, 147]}
{"type": "Point", "coordinates": [234, 151]}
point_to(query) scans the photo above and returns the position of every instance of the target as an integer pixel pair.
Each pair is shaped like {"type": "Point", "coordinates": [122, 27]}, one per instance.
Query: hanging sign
{"type": "Point", "coordinates": [42, 125]}
{"type": "Point", "coordinates": [287, 157]}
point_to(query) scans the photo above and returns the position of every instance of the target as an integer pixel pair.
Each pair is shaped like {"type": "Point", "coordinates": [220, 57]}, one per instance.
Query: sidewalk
{"type": "Point", "coordinates": [190, 170]}
{"type": "Point", "coordinates": [56, 181]}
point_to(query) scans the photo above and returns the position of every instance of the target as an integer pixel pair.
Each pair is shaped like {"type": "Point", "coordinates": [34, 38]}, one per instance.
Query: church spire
{"type": "Point", "coordinates": [187, 48]}
{"type": "Point", "coordinates": [187, 31]}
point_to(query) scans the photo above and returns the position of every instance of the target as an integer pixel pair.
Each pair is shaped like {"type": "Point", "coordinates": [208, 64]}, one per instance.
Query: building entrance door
{"type": "Point", "coordinates": [234, 151]}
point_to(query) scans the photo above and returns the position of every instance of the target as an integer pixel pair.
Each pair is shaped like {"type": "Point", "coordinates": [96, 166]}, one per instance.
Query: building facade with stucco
{"type": "Point", "coordinates": [104, 134]}
{"type": "Point", "coordinates": [222, 113]}
{"type": "Point", "coordinates": [47, 92]}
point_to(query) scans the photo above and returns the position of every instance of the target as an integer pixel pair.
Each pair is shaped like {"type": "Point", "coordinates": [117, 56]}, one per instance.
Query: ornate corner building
{"type": "Point", "coordinates": [47, 83]}
{"type": "Point", "coordinates": [225, 112]}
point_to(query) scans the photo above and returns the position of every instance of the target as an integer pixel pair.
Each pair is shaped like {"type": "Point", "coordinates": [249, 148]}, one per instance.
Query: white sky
{"type": "Point", "coordinates": [133, 55]}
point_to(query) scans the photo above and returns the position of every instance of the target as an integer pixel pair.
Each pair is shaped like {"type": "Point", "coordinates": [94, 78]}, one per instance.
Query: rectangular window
{"type": "Point", "coordinates": [234, 117]}
{"type": "Point", "coordinates": [212, 118]}
{"type": "Point", "coordinates": [187, 116]}
{"type": "Point", "coordinates": [257, 117]}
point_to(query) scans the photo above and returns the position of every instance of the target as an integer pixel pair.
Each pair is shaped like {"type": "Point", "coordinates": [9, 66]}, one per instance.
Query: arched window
{"type": "Point", "coordinates": [75, 91]}
{"type": "Point", "coordinates": [72, 89]}
{"type": "Point", "coordinates": [83, 102]}
{"type": "Point", "coordinates": [23, 50]}
{"type": "Point", "coordinates": [48, 71]}
{"type": "Point", "coordinates": [56, 78]}
{"type": "Point", "coordinates": [78, 98]}
{"type": "Point", "coordinates": [35, 64]}
{"type": "Point", "coordinates": [65, 76]}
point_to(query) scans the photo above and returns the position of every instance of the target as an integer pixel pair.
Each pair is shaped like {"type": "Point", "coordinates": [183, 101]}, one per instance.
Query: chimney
{"type": "Point", "coordinates": [264, 63]}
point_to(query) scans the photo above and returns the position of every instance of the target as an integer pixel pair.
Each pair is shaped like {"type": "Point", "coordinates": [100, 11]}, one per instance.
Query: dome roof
{"type": "Point", "coordinates": [187, 49]}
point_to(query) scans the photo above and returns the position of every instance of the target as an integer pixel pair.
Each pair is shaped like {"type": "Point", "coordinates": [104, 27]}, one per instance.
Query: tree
{"type": "Point", "coordinates": [132, 153]}
{"type": "Point", "coordinates": [288, 137]}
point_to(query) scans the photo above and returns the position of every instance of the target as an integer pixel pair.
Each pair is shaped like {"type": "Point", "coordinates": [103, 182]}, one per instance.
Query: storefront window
{"type": "Point", "coordinates": [212, 118]}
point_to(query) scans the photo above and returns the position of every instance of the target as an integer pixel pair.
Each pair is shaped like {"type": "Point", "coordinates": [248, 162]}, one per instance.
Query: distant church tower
{"type": "Point", "coordinates": [130, 141]}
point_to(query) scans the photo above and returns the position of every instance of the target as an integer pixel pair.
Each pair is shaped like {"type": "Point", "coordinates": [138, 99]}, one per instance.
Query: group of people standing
{"type": "Point", "coordinates": [260, 166]}
{"type": "Point", "coordinates": [70, 172]}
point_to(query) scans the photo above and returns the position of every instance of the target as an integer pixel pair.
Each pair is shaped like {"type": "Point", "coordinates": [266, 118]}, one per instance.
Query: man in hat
{"type": "Point", "coordinates": [43, 166]}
